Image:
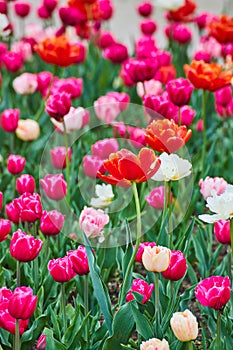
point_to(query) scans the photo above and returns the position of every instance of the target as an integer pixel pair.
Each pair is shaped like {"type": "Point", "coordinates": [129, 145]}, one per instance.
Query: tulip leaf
{"type": "Point", "coordinates": [123, 325]}
{"type": "Point", "coordinates": [143, 325]}
{"type": "Point", "coordinates": [100, 290]}
{"type": "Point", "coordinates": [51, 343]}
{"type": "Point", "coordinates": [31, 335]}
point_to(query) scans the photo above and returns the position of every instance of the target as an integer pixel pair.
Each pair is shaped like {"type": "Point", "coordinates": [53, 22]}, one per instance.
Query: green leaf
{"type": "Point", "coordinates": [30, 336]}
{"type": "Point", "coordinates": [143, 325]}
{"type": "Point", "coordinates": [51, 343]}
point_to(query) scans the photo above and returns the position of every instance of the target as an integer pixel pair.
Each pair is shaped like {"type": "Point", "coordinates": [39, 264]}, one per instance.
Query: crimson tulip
{"type": "Point", "coordinates": [25, 183]}
{"type": "Point", "coordinates": [79, 260]}
{"type": "Point", "coordinates": [177, 266]}
{"type": "Point", "coordinates": [15, 164]}
{"type": "Point", "coordinates": [141, 287]}
{"type": "Point", "coordinates": [54, 186]}
{"type": "Point", "coordinates": [51, 222]}
{"type": "Point", "coordinates": [5, 229]}
{"type": "Point", "coordinates": [22, 303]}
{"type": "Point", "coordinates": [61, 269]}
{"type": "Point", "coordinates": [24, 247]}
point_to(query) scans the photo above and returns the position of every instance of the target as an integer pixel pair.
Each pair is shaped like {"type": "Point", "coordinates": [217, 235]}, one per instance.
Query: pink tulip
{"type": "Point", "coordinates": [13, 61]}
{"type": "Point", "coordinates": [25, 183]}
{"type": "Point", "coordinates": [5, 229]}
{"type": "Point", "coordinates": [116, 53]}
{"type": "Point", "coordinates": [61, 269]}
{"type": "Point", "coordinates": [141, 287]}
{"type": "Point", "coordinates": [223, 96]}
{"type": "Point", "coordinates": [79, 260]}
{"type": "Point", "coordinates": [71, 86]}
{"type": "Point", "coordinates": [15, 164]}
{"type": "Point", "coordinates": [54, 186]}
{"type": "Point", "coordinates": [209, 184]}
{"type": "Point", "coordinates": [141, 69]}
{"type": "Point", "coordinates": [1, 200]}
{"type": "Point", "coordinates": [145, 9]}
{"type": "Point", "coordinates": [9, 119]}
{"type": "Point", "coordinates": [92, 221]}
{"type": "Point", "coordinates": [70, 16]}
{"type": "Point", "coordinates": [58, 106]}
{"type": "Point", "coordinates": [41, 344]}
{"type": "Point", "coordinates": [107, 108]}
{"type": "Point", "coordinates": [43, 81]}
{"type": "Point", "coordinates": [22, 303]}
{"type": "Point", "coordinates": [76, 119]}
{"type": "Point", "coordinates": [121, 97]}
{"type": "Point", "coordinates": [106, 9]}
{"type": "Point", "coordinates": [179, 91]}
{"type": "Point", "coordinates": [58, 157]}
{"type": "Point", "coordinates": [25, 84]}
{"type": "Point", "coordinates": [27, 208]}
{"type": "Point", "coordinates": [148, 27]}
{"type": "Point", "coordinates": [182, 34]}
{"type": "Point", "coordinates": [145, 47]}
{"type": "Point", "coordinates": [214, 292]}
{"type": "Point", "coordinates": [50, 5]}
{"type": "Point", "coordinates": [177, 267]}
{"type": "Point", "coordinates": [158, 105]}
{"type": "Point", "coordinates": [22, 9]}
{"type": "Point", "coordinates": [103, 148]}
{"type": "Point", "coordinates": [202, 56]}
{"type": "Point", "coordinates": [141, 248]}
{"type": "Point", "coordinates": [92, 164]}
{"type": "Point", "coordinates": [149, 87]}
{"type": "Point", "coordinates": [136, 136]}
{"type": "Point", "coordinates": [106, 39]}
{"type": "Point", "coordinates": [156, 198]}
{"type": "Point", "coordinates": [43, 12]}
{"type": "Point", "coordinates": [199, 125]}
{"type": "Point", "coordinates": [24, 247]}
{"type": "Point", "coordinates": [3, 7]}
{"type": "Point", "coordinates": [187, 115]}
{"type": "Point", "coordinates": [51, 222]}
{"type": "Point", "coordinates": [222, 231]}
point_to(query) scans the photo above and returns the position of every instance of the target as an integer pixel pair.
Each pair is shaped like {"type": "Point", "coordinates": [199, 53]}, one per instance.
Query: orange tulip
{"type": "Point", "coordinates": [207, 76]}
{"type": "Point", "coordinates": [166, 136]}
{"type": "Point", "coordinates": [222, 29]}
{"type": "Point", "coordinates": [59, 51]}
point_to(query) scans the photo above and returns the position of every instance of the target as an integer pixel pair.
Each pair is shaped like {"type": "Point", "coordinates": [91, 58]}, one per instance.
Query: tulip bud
{"type": "Point", "coordinates": [61, 269]}
{"type": "Point", "coordinates": [177, 267]}
{"type": "Point", "coordinates": [51, 222]}
{"type": "Point", "coordinates": [156, 259]}
{"type": "Point", "coordinates": [9, 119]}
{"type": "Point", "coordinates": [154, 343]}
{"type": "Point", "coordinates": [199, 125]}
{"type": "Point", "coordinates": [54, 186]}
{"type": "Point", "coordinates": [13, 61]}
{"type": "Point", "coordinates": [148, 27]}
{"type": "Point", "coordinates": [27, 130]}
{"type": "Point", "coordinates": [141, 287]}
{"type": "Point", "coordinates": [24, 247]}
{"type": "Point", "coordinates": [25, 183]}
{"type": "Point", "coordinates": [184, 325]}
{"type": "Point", "coordinates": [141, 248]}
{"type": "Point", "coordinates": [79, 260]}
{"type": "Point", "coordinates": [1, 200]}
{"type": "Point", "coordinates": [41, 344]}
{"type": "Point", "coordinates": [156, 198]}
{"type": "Point", "coordinates": [145, 9]}
{"type": "Point", "coordinates": [22, 9]}
{"type": "Point", "coordinates": [222, 231]}
{"type": "Point", "coordinates": [58, 106]}
{"type": "Point", "coordinates": [15, 164]}
{"type": "Point", "coordinates": [58, 157]}
{"type": "Point", "coordinates": [5, 229]}
{"type": "Point", "coordinates": [116, 53]}
{"type": "Point", "coordinates": [22, 303]}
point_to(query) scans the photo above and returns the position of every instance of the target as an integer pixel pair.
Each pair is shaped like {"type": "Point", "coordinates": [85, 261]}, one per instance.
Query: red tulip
{"type": "Point", "coordinates": [54, 186]}
{"type": "Point", "coordinates": [22, 303]}
{"type": "Point", "coordinates": [9, 119]}
{"type": "Point", "coordinates": [58, 157]}
{"type": "Point", "coordinates": [51, 222]}
{"type": "Point", "coordinates": [25, 183]}
{"type": "Point", "coordinates": [177, 266]}
{"type": "Point", "coordinates": [141, 287]}
{"type": "Point", "coordinates": [15, 164]}
{"type": "Point", "coordinates": [141, 248]}
{"type": "Point", "coordinates": [61, 269]}
{"type": "Point", "coordinates": [79, 260]}
{"type": "Point", "coordinates": [24, 247]}
{"type": "Point", "coordinates": [5, 229]}
{"type": "Point", "coordinates": [214, 292]}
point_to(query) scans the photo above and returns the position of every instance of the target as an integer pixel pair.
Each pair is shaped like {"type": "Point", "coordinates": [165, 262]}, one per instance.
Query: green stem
{"type": "Point", "coordinates": [18, 273]}
{"type": "Point", "coordinates": [156, 294]}
{"type": "Point", "coordinates": [204, 145]}
{"type": "Point", "coordinates": [229, 252]}
{"type": "Point", "coordinates": [139, 232]}
{"type": "Point", "coordinates": [219, 330]}
{"type": "Point", "coordinates": [169, 209]}
{"type": "Point", "coordinates": [47, 245]}
{"type": "Point", "coordinates": [189, 345]}
{"type": "Point", "coordinates": [67, 163]}
{"type": "Point", "coordinates": [17, 335]}
{"type": "Point", "coordinates": [63, 304]}
{"type": "Point", "coordinates": [164, 204]}
{"type": "Point", "coordinates": [35, 273]}
{"type": "Point", "coordinates": [86, 305]}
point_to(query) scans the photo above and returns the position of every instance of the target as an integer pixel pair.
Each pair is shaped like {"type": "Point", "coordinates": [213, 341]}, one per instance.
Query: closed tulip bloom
{"type": "Point", "coordinates": [44, 79]}
{"type": "Point", "coordinates": [156, 259]}
{"type": "Point", "coordinates": [22, 9]}
{"type": "Point", "coordinates": [5, 229]}
{"type": "Point", "coordinates": [58, 157]}
{"type": "Point", "coordinates": [51, 222]}
{"type": "Point", "coordinates": [116, 53]}
{"type": "Point", "coordinates": [58, 106]}
{"type": "Point", "coordinates": [209, 184]}
{"type": "Point", "coordinates": [141, 69]}
{"type": "Point", "coordinates": [76, 119]}
{"type": "Point", "coordinates": [103, 148]}
{"type": "Point", "coordinates": [105, 39]}
{"type": "Point", "coordinates": [145, 9]}
{"type": "Point", "coordinates": [148, 27]}
{"type": "Point", "coordinates": [22, 303]}
{"type": "Point", "coordinates": [28, 130]}
{"type": "Point", "coordinates": [15, 164]}
{"type": "Point", "coordinates": [166, 136]}
{"type": "Point", "coordinates": [154, 344]}
{"type": "Point", "coordinates": [50, 4]}
{"type": "Point", "coordinates": [121, 97]}
{"type": "Point", "coordinates": [187, 115]}
{"type": "Point", "coordinates": [25, 183]}
{"type": "Point", "coordinates": [184, 325]}
{"type": "Point", "coordinates": [223, 96]}
{"type": "Point", "coordinates": [142, 287]}
{"type": "Point", "coordinates": [177, 266]}
{"type": "Point", "coordinates": [93, 164]}
{"type": "Point", "coordinates": [79, 260]}
{"type": "Point", "coordinates": [222, 231]}
{"type": "Point", "coordinates": [41, 344]}
{"type": "Point", "coordinates": [157, 105]}
{"type": "Point", "coordinates": [71, 86]}
{"type": "Point", "coordinates": [70, 16]}
{"type": "Point", "coordinates": [156, 198]}
{"type": "Point", "coordinates": [3, 7]}
{"type": "Point", "coordinates": [92, 222]}
{"type": "Point", "coordinates": [9, 119]}
{"type": "Point", "coordinates": [182, 34]}
{"type": "Point", "coordinates": [124, 167]}
{"type": "Point", "coordinates": [141, 248]}
{"type": "Point", "coordinates": [25, 84]}
{"type": "Point", "coordinates": [214, 292]}
{"type": "Point", "coordinates": [179, 91]}
{"type": "Point", "coordinates": [13, 61]}
{"type": "Point", "coordinates": [24, 247]}
{"type": "Point", "coordinates": [54, 186]}
{"type": "Point", "coordinates": [107, 108]}
{"type": "Point", "coordinates": [61, 269]}
{"type": "Point", "coordinates": [1, 200]}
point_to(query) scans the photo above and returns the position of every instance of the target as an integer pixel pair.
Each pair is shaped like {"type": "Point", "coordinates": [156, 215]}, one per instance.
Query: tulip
{"type": "Point", "coordinates": [124, 167]}
{"type": "Point", "coordinates": [141, 248]}
{"type": "Point", "coordinates": [104, 194]}
{"type": "Point", "coordinates": [43, 12]}
{"type": "Point", "coordinates": [103, 148]}
{"type": "Point", "coordinates": [222, 231]}
{"type": "Point", "coordinates": [148, 27]}
{"type": "Point", "coordinates": [50, 5]}
{"type": "Point", "coordinates": [92, 222]}
{"type": "Point", "coordinates": [116, 53]}
{"type": "Point", "coordinates": [70, 16]}
{"type": "Point", "coordinates": [13, 61]}
{"type": "Point", "coordinates": [15, 164]}
{"type": "Point", "coordinates": [156, 198]}
{"type": "Point", "coordinates": [107, 108]}
{"type": "Point", "coordinates": [25, 84]}
{"type": "Point", "coordinates": [58, 106]}
{"type": "Point", "coordinates": [24, 247]}
{"type": "Point", "coordinates": [165, 74]}
{"type": "Point", "coordinates": [199, 125]}
{"type": "Point", "coordinates": [157, 105]}
{"type": "Point", "coordinates": [3, 7]}
{"type": "Point", "coordinates": [22, 303]}
{"type": "Point", "coordinates": [120, 97]}
{"type": "Point", "coordinates": [7, 322]}
{"type": "Point", "coordinates": [5, 229]}
{"type": "Point", "coordinates": [187, 115]}
{"type": "Point", "coordinates": [1, 200]}
{"type": "Point", "coordinates": [41, 344]}
{"type": "Point", "coordinates": [180, 10]}
{"type": "Point", "coordinates": [26, 208]}
{"type": "Point", "coordinates": [181, 34]}
{"type": "Point", "coordinates": [61, 269]}
{"type": "Point", "coordinates": [51, 222]}
{"type": "Point", "coordinates": [177, 266]}
{"type": "Point", "coordinates": [153, 87]}
{"type": "Point", "coordinates": [184, 325]}
{"type": "Point", "coordinates": [25, 48]}
{"type": "Point", "coordinates": [145, 9]}
{"type": "Point", "coordinates": [105, 39]}
{"type": "Point", "coordinates": [9, 119]}
{"type": "Point", "coordinates": [44, 79]}
{"type": "Point", "coordinates": [179, 91]}
{"type": "Point", "coordinates": [141, 287]}
{"type": "Point", "coordinates": [54, 186]}
{"type": "Point", "coordinates": [27, 130]}
{"type": "Point", "coordinates": [214, 292]}
{"type": "Point", "coordinates": [92, 164]}
{"type": "Point", "coordinates": [210, 184]}
{"type": "Point", "coordinates": [154, 343]}
{"type": "Point", "coordinates": [22, 9]}
{"type": "Point", "coordinates": [76, 119]}
{"type": "Point", "coordinates": [79, 261]}
{"type": "Point", "coordinates": [156, 259]}
{"type": "Point", "coordinates": [202, 56]}
{"type": "Point", "coordinates": [221, 28]}
{"type": "Point", "coordinates": [25, 183]}
{"type": "Point", "coordinates": [223, 96]}
{"type": "Point", "coordinates": [58, 157]}
{"type": "Point", "coordinates": [141, 69]}
{"type": "Point", "coordinates": [71, 86]}
{"type": "Point", "coordinates": [166, 136]}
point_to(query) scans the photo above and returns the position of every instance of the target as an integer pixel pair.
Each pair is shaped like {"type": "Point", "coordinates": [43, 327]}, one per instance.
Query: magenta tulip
{"type": "Point", "coordinates": [177, 266]}
{"type": "Point", "coordinates": [25, 183]}
{"type": "Point", "coordinates": [141, 287]}
{"type": "Point", "coordinates": [79, 260]}
{"type": "Point", "coordinates": [22, 303]}
{"type": "Point", "coordinates": [24, 247]}
{"type": "Point", "coordinates": [61, 269]}
{"type": "Point", "coordinates": [9, 119]}
{"type": "Point", "coordinates": [58, 157]}
{"type": "Point", "coordinates": [15, 164]}
{"type": "Point", "coordinates": [51, 222]}
{"type": "Point", "coordinates": [5, 229]}
{"type": "Point", "coordinates": [54, 186]}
